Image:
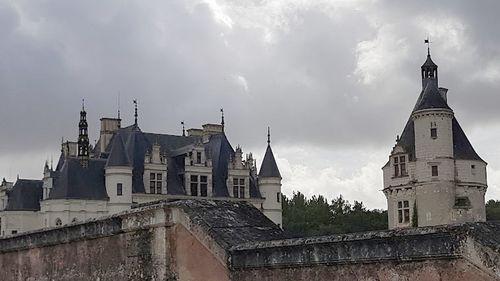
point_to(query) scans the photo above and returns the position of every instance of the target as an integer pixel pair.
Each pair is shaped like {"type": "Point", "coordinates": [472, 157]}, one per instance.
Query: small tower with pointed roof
{"type": "Point", "coordinates": [270, 185]}
{"type": "Point", "coordinates": [433, 175]}
{"type": "Point", "coordinates": [118, 173]}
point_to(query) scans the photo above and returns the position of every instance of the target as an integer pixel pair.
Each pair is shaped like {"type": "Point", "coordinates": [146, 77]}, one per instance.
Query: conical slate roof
{"type": "Point", "coordinates": [118, 155]}
{"type": "Point", "coordinates": [430, 97]}
{"type": "Point", "coordinates": [429, 62]}
{"type": "Point", "coordinates": [269, 168]}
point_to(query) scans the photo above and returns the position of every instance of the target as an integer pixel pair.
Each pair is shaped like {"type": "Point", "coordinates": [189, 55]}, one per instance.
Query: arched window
{"type": "Point", "coordinates": [58, 222]}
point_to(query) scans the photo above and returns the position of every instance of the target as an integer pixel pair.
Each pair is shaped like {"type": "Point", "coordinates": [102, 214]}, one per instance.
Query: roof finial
{"type": "Point", "coordinates": [222, 122]}
{"type": "Point", "coordinates": [51, 162]}
{"type": "Point", "coordinates": [268, 135]}
{"type": "Point", "coordinates": [118, 104]}
{"type": "Point", "coordinates": [83, 104]}
{"type": "Point", "coordinates": [135, 114]}
{"type": "Point", "coordinates": [428, 42]}
{"type": "Point", "coordinates": [183, 129]}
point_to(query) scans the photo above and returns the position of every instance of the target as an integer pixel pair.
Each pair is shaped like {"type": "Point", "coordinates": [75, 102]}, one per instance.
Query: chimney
{"type": "Point", "coordinates": [108, 128]}
{"type": "Point", "coordinates": [444, 93]}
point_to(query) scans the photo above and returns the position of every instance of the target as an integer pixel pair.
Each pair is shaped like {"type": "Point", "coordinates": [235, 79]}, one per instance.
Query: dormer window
{"type": "Point", "coordinates": [155, 183]}
{"type": "Point", "coordinates": [198, 157]}
{"type": "Point", "coordinates": [399, 163]}
{"type": "Point", "coordinates": [199, 185]}
{"type": "Point", "coordinates": [239, 188]}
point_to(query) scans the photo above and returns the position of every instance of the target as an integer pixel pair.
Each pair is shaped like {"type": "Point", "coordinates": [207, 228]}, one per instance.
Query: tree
{"type": "Point", "coordinates": [492, 210]}
{"type": "Point", "coordinates": [312, 217]}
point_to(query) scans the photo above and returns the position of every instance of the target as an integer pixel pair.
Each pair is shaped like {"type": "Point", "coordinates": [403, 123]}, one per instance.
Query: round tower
{"type": "Point", "coordinates": [434, 151]}
{"type": "Point", "coordinates": [118, 173]}
{"type": "Point", "coordinates": [269, 180]}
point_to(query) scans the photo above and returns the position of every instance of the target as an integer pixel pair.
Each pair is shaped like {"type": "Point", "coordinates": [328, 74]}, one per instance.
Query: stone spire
{"type": "Point", "coordinates": [83, 137]}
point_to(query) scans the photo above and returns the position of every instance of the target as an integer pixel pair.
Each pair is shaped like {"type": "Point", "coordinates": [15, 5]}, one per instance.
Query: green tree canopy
{"type": "Point", "coordinates": [315, 216]}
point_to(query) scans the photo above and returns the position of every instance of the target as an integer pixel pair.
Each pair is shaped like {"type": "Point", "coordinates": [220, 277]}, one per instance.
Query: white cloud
{"type": "Point", "coordinates": [381, 55]}
{"type": "Point", "coordinates": [241, 81]}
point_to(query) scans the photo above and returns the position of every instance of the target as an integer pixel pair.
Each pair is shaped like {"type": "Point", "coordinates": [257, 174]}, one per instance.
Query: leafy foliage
{"type": "Point", "coordinates": [315, 216]}
{"type": "Point", "coordinates": [493, 210]}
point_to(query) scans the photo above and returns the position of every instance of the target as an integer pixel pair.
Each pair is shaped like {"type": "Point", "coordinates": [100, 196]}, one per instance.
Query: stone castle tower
{"type": "Point", "coordinates": [433, 175]}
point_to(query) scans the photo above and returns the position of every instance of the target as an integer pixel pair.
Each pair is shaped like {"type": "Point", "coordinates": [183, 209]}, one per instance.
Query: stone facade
{"type": "Point", "coordinates": [433, 175]}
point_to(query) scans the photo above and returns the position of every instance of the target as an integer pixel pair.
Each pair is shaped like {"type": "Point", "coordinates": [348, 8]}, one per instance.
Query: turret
{"type": "Point", "coordinates": [118, 174]}
{"type": "Point", "coordinates": [270, 185]}
{"type": "Point", "coordinates": [433, 175]}
{"type": "Point", "coordinates": [429, 69]}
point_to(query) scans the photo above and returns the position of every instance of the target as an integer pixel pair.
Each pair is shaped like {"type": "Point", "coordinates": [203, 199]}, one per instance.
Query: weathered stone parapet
{"type": "Point", "coordinates": [476, 245]}
{"type": "Point", "coordinates": [233, 241]}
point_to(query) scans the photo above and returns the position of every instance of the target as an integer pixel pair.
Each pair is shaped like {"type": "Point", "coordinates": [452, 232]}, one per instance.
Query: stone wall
{"type": "Point", "coordinates": [233, 241]}
{"type": "Point", "coordinates": [184, 240]}
{"type": "Point", "coordinates": [128, 248]}
{"type": "Point", "coordinates": [457, 252]}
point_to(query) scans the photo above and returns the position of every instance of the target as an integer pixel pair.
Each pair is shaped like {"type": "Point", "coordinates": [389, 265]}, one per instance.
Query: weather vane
{"type": "Point", "coordinates": [428, 42]}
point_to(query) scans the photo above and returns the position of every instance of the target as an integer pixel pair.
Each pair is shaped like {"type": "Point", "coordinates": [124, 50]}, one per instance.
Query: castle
{"type": "Point", "coordinates": [433, 175]}
{"type": "Point", "coordinates": [127, 167]}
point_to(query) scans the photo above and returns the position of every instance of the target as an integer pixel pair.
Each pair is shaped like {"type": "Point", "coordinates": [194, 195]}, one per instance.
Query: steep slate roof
{"type": "Point", "coordinates": [118, 155]}
{"type": "Point", "coordinates": [269, 168]}
{"type": "Point", "coordinates": [73, 181]}
{"type": "Point", "coordinates": [137, 143]}
{"type": "Point", "coordinates": [220, 151]}
{"type": "Point", "coordinates": [429, 62]}
{"type": "Point", "coordinates": [25, 195]}
{"type": "Point", "coordinates": [462, 148]}
{"type": "Point", "coordinates": [431, 98]}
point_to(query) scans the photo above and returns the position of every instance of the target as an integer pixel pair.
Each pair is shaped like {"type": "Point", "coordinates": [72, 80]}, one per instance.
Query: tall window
{"type": "Point", "coordinates": [158, 183]}
{"type": "Point", "coordinates": [238, 187]}
{"type": "Point", "coordinates": [399, 163]}
{"type": "Point", "coordinates": [434, 133]}
{"type": "Point", "coordinates": [278, 197]}
{"type": "Point", "coordinates": [194, 185]}
{"type": "Point", "coordinates": [119, 189]}
{"type": "Point", "coordinates": [155, 183]}
{"type": "Point", "coordinates": [404, 211]}
{"type": "Point", "coordinates": [203, 186]}
{"type": "Point", "coordinates": [198, 157]}
{"type": "Point", "coordinates": [434, 171]}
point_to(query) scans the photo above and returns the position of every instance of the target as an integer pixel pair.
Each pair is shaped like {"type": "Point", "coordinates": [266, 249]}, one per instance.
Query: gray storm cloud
{"type": "Point", "coordinates": [337, 76]}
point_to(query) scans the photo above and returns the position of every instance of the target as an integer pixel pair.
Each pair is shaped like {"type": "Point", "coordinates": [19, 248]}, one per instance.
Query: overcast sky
{"type": "Point", "coordinates": [335, 79]}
